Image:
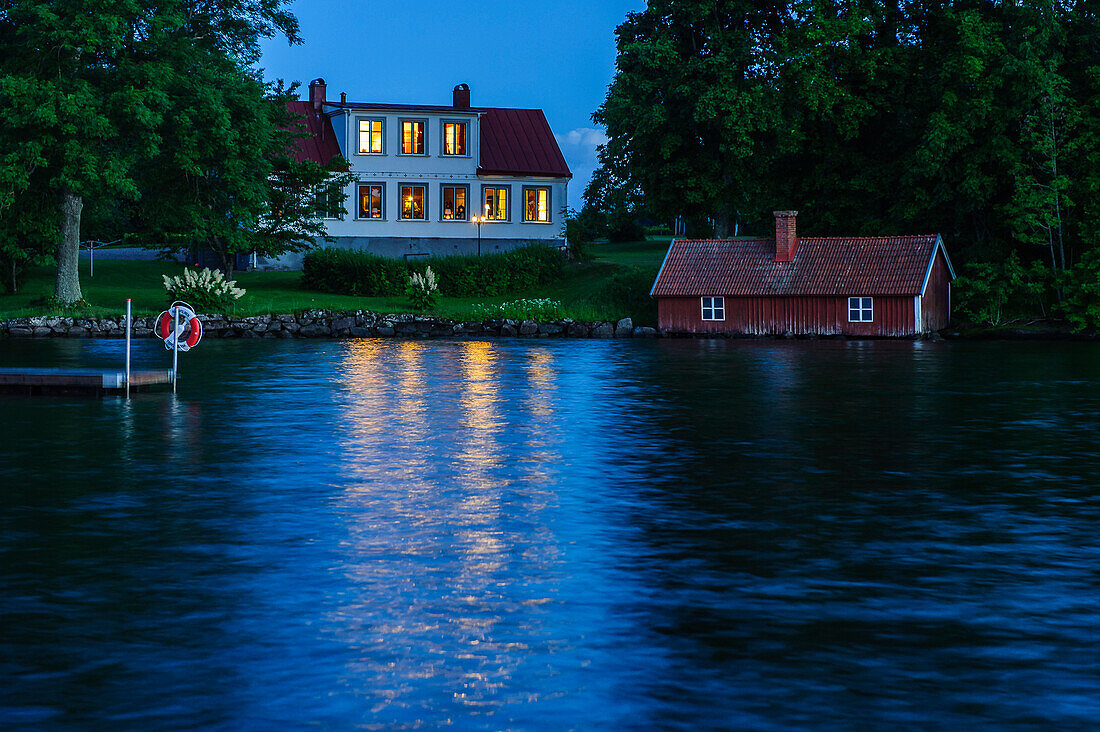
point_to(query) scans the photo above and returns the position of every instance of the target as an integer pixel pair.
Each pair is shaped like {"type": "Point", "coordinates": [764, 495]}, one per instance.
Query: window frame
{"type": "Point", "coordinates": [401, 146]}
{"type": "Point", "coordinates": [358, 201]}
{"type": "Point", "coordinates": [863, 305]}
{"type": "Point", "coordinates": [358, 132]}
{"type": "Point", "coordinates": [443, 138]}
{"type": "Point", "coordinates": [401, 201]}
{"type": "Point", "coordinates": [507, 202]}
{"type": "Point", "coordinates": [442, 199]}
{"type": "Point", "coordinates": [717, 306]}
{"type": "Point", "coordinates": [549, 204]}
{"type": "Point", "coordinates": [330, 213]}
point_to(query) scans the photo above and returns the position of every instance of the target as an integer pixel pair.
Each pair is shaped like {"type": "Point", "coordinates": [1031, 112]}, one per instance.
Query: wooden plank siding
{"type": "Point", "coordinates": [800, 315]}
{"type": "Point", "coordinates": [935, 303]}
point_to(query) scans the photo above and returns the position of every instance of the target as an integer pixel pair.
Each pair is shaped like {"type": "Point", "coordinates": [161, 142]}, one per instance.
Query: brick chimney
{"type": "Point", "coordinates": [786, 235]}
{"type": "Point", "coordinates": [317, 93]}
{"type": "Point", "coordinates": [462, 96]}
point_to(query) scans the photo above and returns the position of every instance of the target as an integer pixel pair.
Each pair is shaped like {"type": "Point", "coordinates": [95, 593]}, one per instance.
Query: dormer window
{"type": "Point", "coordinates": [370, 136]}
{"type": "Point", "coordinates": [454, 138]}
{"type": "Point", "coordinates": [412, 136]}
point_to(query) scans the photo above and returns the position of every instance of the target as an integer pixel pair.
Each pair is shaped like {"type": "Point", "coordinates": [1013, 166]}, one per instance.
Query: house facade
{"type": "Point", "coordinates": [856, 286]}
{"type": "Point", "coordinates": [438, 180]}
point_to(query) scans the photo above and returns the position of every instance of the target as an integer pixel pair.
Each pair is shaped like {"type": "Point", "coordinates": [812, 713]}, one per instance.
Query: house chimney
{"type": "Point", "coordinates": [317, 93]}
{"type": "Point", "coordinates": [462, 96]}
{"type": "Point", "coordinates": [343, 97]}
{"type": "Point", "coordinates": [786, 235]}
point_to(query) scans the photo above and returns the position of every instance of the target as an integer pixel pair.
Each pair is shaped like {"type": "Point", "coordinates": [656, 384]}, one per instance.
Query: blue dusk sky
{"type": "Point", "coordinates": [555, 55]}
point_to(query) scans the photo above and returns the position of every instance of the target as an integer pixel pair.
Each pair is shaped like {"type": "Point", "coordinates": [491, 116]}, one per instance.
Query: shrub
{"type": "Point", "coordinates": [537, 309]}
{"type": "Point", "coordinates": [350, 272]}
{"type": "Point", "coordinates": [421, 289]}
{"type": "Point", "coordinates": [1081, 305]}
{"type": "Point", "coordinates": [995, 294]}
{"type": "Point", "coordinates": [206, 290]}
{"type": "Point", "coordinates": [626, 294]}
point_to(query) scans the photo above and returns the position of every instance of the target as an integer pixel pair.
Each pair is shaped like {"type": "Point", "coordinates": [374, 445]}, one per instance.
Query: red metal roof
{"type": "Point", "coordinates": [519, 142]}
{"type": "Point", "coordinates": [321, 146]}
{"type": "Point", "coordinates": [513, 141]}
{"type": "Point", "coordinates": [884, 265]}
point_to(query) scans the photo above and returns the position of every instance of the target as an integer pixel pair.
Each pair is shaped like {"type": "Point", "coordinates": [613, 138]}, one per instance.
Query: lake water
{"type": "Point", "coordinates": [542, 535]}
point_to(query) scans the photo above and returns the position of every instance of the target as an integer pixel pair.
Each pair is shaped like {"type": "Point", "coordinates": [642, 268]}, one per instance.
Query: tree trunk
{"type": "Point", "coordinates": [228, 260]}
{"type": "Point", "coordinates": [14, 272]}
{"type": "Point", "coordinates": [722, 221]}
{"type": "Point", "coordinates": [67, 285]}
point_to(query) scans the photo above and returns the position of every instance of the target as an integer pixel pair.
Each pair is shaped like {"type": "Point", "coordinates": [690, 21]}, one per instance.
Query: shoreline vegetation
{"type": "Point", "coordinates": [595, 295]}
{"type": "Point", "coordinates": [611, 285]}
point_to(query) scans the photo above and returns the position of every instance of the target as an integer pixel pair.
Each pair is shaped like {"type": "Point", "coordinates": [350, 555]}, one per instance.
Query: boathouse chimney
{"type": "Point", "coordinates": [786, 235]}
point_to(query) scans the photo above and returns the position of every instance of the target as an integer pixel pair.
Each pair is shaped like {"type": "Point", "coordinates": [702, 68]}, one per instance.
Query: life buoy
{"type": "Point", "coordinates": [188, 323]}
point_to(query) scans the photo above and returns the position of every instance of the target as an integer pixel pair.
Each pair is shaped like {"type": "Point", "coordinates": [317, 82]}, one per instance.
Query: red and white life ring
{"type": "Point", "coordinates": [188, 323]}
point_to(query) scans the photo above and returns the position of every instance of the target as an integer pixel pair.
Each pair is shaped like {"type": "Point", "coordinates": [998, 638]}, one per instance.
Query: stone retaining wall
{"type": "Point", "coordinates": [327, 324]}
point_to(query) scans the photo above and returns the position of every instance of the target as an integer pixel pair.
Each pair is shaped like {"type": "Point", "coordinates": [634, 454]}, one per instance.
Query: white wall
{"type": "Point", "coordinates": [433, 171]}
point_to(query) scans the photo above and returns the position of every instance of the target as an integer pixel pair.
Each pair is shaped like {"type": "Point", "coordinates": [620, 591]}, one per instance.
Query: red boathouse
{"type": "Point", "coordinates": [859, 286]}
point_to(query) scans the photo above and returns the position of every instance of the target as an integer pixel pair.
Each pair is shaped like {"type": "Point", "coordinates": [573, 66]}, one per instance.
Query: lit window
{"type": "Point", "coordinates": [714, 308]}
{"type": "Point", "coordinates": [412, 202]}
{"type": "Point", "coordinates": [454, 138]}
{"type": "Point", "coordinates": [412, 136]}
{"type": "Point", "coordinates": [496, 204]}
{"type": "Point", "coordinates": [536, 204]}
{"type": "Point", "coordinates": [860, 310]}
{"type": "Point", "coordinates": [370, 136]}
{"type": "Point", "coordinates": [370, 201]}
{"type": "Point", "coordinates": [454, 203]}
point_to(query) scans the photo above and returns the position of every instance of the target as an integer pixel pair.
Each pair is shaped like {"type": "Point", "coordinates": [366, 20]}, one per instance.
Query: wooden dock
{"type": "Point", "coordinates": [94, 382]}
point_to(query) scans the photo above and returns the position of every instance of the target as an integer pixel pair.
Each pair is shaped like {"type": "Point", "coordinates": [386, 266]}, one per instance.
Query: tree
{"type": "Point", "coordinates": [233, 183]}
{"type": "Point", "coordinates": [83, 87]}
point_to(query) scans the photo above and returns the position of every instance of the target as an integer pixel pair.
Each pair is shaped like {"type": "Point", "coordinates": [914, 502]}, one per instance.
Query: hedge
{"type": "Point", "coordinates": [354, 272]}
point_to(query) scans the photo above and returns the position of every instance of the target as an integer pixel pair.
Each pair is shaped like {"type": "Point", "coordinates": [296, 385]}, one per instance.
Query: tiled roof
{"type": "Point", "coordinates": [885, 265]}
{"type": "Point", "coordinates": [519, 142]}
{"type": "Point", "coordinates": [321, 146]}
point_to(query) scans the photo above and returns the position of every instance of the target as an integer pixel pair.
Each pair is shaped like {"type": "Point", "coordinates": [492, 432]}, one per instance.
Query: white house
{"type": "Point", "coordinates": [425, 174]}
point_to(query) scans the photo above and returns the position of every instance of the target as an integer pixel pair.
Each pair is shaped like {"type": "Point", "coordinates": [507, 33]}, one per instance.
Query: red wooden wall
{"type": "Point", "coordinates": [935, 304]}
{"type": "Point", "coordinates": [893, 316]}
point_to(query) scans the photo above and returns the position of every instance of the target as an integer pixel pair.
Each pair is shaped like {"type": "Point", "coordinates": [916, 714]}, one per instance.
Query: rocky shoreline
{"type": "Point", "coordinates": [327, 324]}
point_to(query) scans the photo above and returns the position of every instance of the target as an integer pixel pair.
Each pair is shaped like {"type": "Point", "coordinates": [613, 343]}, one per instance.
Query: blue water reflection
{"type": "Point", "coordinates": [548, 535]}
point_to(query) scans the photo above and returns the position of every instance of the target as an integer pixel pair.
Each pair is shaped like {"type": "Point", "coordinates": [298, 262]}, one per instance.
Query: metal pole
{"type": "Point", "coordinates": [91, 260]}
{"type": "Point", "coordinates": [175, 348]}
{"type": "Point", "coordinates": [128, 348]}
{"type": "Point", "coordinates": [479, 237]}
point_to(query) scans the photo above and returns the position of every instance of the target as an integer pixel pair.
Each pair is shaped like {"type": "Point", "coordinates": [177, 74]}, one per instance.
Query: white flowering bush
{"type": "Point", "coordinates": [533, 309]}
{"type": "Point", "coordinates": [206, 290]}
{"type": "Point", "coordinates": [422, 289]}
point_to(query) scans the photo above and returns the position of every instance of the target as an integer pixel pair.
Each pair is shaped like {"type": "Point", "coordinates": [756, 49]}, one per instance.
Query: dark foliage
{"type": "Point", "coordinates": [349, 272]}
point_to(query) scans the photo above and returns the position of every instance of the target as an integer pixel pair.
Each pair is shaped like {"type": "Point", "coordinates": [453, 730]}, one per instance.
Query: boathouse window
{"type": "Point", "coordinates": [860, 310]}
{"type": "Point", "coordinates": [370, 136]}
{"type": "Point", "coordinates": [536, 205]}
{"type": "Point", "coordinates": [714, 308]}
{"type": "Point", "coordinates": [454, 203]}
{"type": "Point", "coordinates": [412, 136]}
{"type": "Point", "coordinates": [371, 201]}
{"type": "Point", "coordinates": [413, 200]}
{"type": "Point", "coordinates": [454, 138]}
{"type": "Point", "coordinates": [496, 204]}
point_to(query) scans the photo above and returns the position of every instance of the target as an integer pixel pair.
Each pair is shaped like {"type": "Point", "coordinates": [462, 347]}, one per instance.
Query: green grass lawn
{"type": "Point", "coordinates": [591, 290]}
